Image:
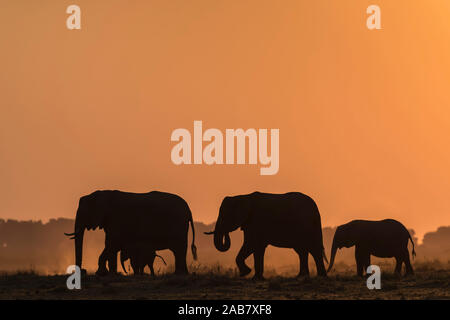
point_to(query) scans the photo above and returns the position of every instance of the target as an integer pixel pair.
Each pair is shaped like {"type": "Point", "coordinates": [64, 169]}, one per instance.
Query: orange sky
{"type": "Point", "coordinates": [363, 115]}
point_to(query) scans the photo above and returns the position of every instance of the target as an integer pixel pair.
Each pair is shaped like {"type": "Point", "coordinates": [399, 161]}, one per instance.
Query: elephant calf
{"type": "Point", "coordinates": [385, 239]}
{"type": "Point", "coordinates": [140, 256]}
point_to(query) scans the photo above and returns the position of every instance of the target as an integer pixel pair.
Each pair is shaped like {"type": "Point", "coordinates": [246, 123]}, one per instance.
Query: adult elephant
{"type": "Point", "coordinates": [385, 239]}
{"type": "Point", "coordinates": [290, 220]}
{"type": "Point", "coordinates": [157, 218]}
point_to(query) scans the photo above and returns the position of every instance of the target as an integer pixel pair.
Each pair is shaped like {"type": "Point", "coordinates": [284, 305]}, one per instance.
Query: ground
{"type": "Point", "coordinates": [225, 284]}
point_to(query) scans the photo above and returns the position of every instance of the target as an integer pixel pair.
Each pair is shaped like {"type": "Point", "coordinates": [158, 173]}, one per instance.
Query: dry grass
{"type": "Point", "coordinates": [431, 281]}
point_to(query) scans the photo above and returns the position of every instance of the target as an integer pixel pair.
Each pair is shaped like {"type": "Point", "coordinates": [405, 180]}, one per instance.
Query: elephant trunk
{"type": "Point", "coordinates": [78, 235]}
{"type": "Point", "coordinates": [222, 241]}
{"type": "Point", "coordinates": [79, 247]}
{"type": "Point", "coordinates": [333, 254]}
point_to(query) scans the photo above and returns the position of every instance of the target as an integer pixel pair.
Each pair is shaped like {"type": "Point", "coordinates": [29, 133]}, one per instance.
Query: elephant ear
{"type": "Point", "coordinates": [246, 212]}
{"type": "Point", "coordinates": [100, 205]}
{"type": "Point", "coordinates": [355, 232]}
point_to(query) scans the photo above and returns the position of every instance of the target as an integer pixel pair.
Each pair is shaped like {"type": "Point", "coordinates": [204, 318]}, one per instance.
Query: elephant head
{"type": "Point", "coordinates": [91, 214]}
{"type": "Point", "coordinates": [346, 235]}
{"type": "Point", "coordinates": [233, 213]}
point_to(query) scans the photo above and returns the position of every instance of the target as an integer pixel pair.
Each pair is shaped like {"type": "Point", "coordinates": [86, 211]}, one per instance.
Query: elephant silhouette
{"type": "Point", "coordinates": [140, 256]}
{"type": "Point", "coordinates": [156, 218]}
{"type": "Point", "coordinates": [290, 220]}
{"type": "Point", "coordinates": [385, 239]}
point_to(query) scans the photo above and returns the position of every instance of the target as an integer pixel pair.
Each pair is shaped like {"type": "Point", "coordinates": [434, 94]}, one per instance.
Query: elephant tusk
{"type": "Point", "coordinates": [73, 235]}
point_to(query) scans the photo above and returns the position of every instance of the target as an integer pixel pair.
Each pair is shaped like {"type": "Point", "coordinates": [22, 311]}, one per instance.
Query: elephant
{"type": "Point", "coordinates": [140, 256]}
{"type": "Point", "coordinates": [385, 239]}
{"type": "Point", "coordinates": [157, 218]}
{"type": "Point", "coordinates": [290, 220]}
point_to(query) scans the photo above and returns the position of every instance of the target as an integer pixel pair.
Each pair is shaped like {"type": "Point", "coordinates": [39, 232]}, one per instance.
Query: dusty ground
{"type": "Point", "coordinates": [220, 284]}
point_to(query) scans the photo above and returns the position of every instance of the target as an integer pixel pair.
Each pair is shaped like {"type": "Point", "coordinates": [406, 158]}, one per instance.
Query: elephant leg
{"type": "Point", "coordinates": [180, 259]}
{"type": "Point", "coordinates": [359, 268]}
{"type": "Point", "coordinates": [102, 270]}
{"type": "Point", "coordinates": [112, 261]}
{"type": "Point", "coordinates": [303, 259]}
{"type": "Point", "coordinates": [138, 268]}
{"type": "Point", "coordinates": [104, 256]}
{"type": "Point", "coordinates": [143, 263]}
{"type": "Point", "coordinates": [243, 254]}
{"type": "Point", "coordinates": [141, 269]}
{"type": "Point", "coordinates": [359, 261]}
{"type": "Point", "coordinates": [408, 267]}
{"type": "Point", "coordinates": [317, 254]}
{"type": "Point", "coordinates": [108, 255]}
{"type": "Point", "coordinates": [139, 264]}
{"type": "Point", "coordinates": [149, 261]}
{"type": "Point", "coordinates": [152, 270]}
{"type": "Point", "coordinates": [366, 263]}
{"type": "Point", "coordinates": [398, 265]}
{"type": "Point", "coordinates": [258, 255]}
{"type": "Point", "coordinates": [134, 266]}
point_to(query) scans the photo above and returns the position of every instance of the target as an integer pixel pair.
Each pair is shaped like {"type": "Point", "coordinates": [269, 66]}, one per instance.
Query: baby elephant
{"type": "Point", "coordinates": [385, 239]}
{"type": "Point", "coordinates": [139, 258]}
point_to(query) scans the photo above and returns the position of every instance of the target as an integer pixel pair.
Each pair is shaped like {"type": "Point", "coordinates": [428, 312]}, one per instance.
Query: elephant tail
{"type": "Point", "coordinates": [193, 247]}
{"type": "Point", "coordinates": [413, 253]}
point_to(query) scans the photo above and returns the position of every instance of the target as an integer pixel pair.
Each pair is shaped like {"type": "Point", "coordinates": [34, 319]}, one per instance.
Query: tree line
{"type": "Point", "coordinates": [42, 247]}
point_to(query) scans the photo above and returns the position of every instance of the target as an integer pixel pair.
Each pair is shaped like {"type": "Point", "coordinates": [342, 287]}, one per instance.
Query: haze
{"type": "Point", "coordinates": [363, 115]}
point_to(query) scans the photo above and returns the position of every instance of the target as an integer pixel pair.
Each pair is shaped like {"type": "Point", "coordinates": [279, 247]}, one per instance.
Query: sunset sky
{"type": "Point", "coordinates": [364, 116]}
